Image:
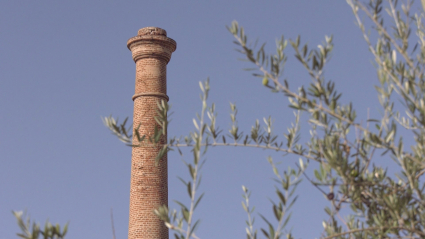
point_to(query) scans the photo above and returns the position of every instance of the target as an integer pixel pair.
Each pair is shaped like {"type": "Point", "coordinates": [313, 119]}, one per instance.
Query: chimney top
{"type": "Point", "coordinates": [151, 31]}
{"type": "Point", "coordinates": [150, 35]}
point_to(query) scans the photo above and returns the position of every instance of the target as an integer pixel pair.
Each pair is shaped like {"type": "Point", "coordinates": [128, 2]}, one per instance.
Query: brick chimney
{"type": "Point", "coordinates": [151, 50]}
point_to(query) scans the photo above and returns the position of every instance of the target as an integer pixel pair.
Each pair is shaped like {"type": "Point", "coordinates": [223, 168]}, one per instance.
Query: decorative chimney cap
{"type": "Point", "coordinates": [151, 31]}
{"type": "Point", "coordinates": [152, 34]}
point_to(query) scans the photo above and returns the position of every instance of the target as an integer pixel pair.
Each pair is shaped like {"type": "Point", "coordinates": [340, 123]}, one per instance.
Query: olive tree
{"type": "Point", "coordinates": [342, 149]}
{"type": "Point", "coordinates": [381, 205]}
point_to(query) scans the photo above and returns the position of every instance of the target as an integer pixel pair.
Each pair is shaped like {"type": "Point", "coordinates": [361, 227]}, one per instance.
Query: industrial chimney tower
{"type": "Point", "coordinates": [151, 50]}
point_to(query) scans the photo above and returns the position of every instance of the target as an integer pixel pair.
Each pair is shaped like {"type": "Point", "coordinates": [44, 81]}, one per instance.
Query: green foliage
{"type": "Point", "coordinates": [342, 148]}
{"type": "Point", "coordinates": [122, 131]}
{"type": "Point", "coordinates": [33, 231]}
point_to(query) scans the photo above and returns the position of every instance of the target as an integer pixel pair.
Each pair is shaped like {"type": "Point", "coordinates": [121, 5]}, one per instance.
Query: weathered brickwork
{"type": "Point", "coordinates": [151, 50]}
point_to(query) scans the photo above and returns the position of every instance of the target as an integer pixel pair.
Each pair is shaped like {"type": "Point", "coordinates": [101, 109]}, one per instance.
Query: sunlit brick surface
{"type": "Point", "coordinates": [151, 50]}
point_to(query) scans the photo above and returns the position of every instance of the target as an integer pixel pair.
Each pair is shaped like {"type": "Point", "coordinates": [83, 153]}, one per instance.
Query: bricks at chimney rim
{"type": "Point", "coordinates": [151, 50]}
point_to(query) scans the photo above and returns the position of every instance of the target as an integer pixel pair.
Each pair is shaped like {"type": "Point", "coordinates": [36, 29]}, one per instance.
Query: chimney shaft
{"type": "Point", "coordinates": [151, 50]}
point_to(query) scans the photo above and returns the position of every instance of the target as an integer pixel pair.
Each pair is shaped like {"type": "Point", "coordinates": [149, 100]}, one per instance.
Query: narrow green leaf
{"type": "Point", "coordinates": [244, 207]}
{"type": "Point", "coordinates": [189, 189]}
{"type": "Point", "coordinates": [265, 233]}
{"type": "Point", "coordinates": [192, 230]}
{"type": "Point", "coordinates": [197, 201]}
{"type": "Point", "coordinates": [317, 174]}
{"type": "Point", "coordinates": [281, 197]}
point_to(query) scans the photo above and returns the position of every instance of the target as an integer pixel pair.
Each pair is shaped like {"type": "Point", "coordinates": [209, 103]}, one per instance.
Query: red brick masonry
{"type": "Point", "coordinates": [151, 50]}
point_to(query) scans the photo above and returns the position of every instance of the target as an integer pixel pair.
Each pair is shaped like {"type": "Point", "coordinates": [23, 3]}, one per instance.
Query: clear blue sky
{"type": "Point", "coordinates": [64, 64]}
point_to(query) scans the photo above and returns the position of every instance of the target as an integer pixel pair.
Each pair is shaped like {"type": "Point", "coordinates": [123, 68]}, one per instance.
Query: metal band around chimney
{"type": "Point", "coordinates": [151, 94]}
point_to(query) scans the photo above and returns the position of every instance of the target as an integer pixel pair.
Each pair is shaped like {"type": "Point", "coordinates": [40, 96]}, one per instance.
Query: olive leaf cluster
{"type": "Point", "coordinates": [183, 224]}
{"type": "Point", "coordinates": [33, 231]}
{"type": "Point", "coordinates": [380, 205]}
{"type": "Point", "coordinates": [124, 134]}
{"type": "Point", "coordinates": [287, 183]}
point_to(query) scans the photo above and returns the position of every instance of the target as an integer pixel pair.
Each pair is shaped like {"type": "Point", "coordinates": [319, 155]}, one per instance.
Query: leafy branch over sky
{"type": "Point", "coordinates": [342, 149]}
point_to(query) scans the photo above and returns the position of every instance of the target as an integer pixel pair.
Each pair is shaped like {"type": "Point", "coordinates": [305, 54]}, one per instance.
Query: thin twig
{"type": "Point", "coordinates": [112, 223]}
